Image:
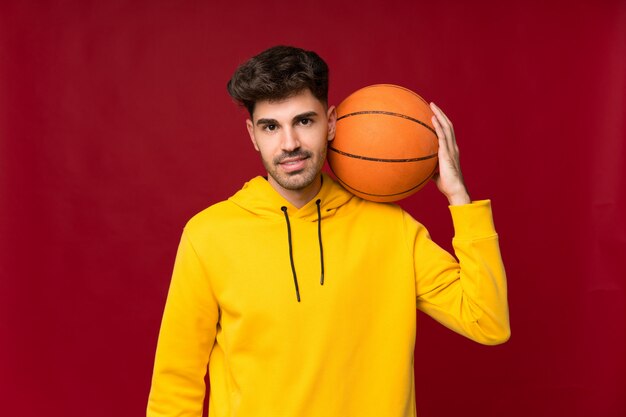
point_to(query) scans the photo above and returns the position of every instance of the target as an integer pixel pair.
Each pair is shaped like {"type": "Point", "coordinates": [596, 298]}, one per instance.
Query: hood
{"type": "Point", "coordinates": [259, 197]}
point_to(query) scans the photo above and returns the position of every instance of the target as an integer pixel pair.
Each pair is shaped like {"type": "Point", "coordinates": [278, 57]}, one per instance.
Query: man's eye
{"type": "Point", "coordinates": [270, 128]}
{"type": "Point", "coordinates": [305, 122]}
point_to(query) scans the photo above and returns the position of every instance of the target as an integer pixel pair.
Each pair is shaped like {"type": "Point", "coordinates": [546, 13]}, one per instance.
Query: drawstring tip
{"type": "Point", "coordinates": [322, 279]}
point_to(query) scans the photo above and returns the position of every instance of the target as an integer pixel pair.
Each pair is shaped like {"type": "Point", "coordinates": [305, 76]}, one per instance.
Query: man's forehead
{"type": "Point", "coordinates": [289, 107]}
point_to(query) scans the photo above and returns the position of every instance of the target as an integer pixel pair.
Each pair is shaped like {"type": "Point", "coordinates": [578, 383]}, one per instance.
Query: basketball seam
{"type": "Point", "coordinates": [386, 195]}
{"type": "Point", "coordinates": [368, 158]}
{"type": "Point", "coordinates": [387, 113]}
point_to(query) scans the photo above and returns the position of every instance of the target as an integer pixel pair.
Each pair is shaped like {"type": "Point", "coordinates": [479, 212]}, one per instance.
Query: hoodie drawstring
{"type": "Point", "coordinates": [319, 236]}
{"type": "Point", "coordinates": [293, 268]}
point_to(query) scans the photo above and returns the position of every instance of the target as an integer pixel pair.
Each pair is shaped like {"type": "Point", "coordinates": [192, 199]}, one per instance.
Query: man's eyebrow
{"type": "Point", "coordinates": [267, 122]}
{"type": "Point", "coordinates": [305, 115]}
{"type": "Point", "coordinates": [297, 117]}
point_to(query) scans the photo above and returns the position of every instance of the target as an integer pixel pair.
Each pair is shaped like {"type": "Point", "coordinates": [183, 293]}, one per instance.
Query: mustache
{"type": "Point", "coordinates": [295, 154]}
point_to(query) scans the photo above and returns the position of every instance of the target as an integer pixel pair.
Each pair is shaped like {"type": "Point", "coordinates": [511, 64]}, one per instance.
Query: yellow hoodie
{"type": "Point", "coordinates": [346, 348]}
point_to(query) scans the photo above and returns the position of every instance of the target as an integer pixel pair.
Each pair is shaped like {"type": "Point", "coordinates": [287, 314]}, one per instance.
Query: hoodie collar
{"type": "Point", "coordinates": [260, 198]}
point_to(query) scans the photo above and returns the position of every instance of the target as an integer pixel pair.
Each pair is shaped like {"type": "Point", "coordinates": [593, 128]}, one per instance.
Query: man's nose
{"type": "Point", "coordinates": [290, 141]}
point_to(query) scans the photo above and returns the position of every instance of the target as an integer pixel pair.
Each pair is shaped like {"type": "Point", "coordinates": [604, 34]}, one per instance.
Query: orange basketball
{"type": "Point", "coordinates": [385, 147]}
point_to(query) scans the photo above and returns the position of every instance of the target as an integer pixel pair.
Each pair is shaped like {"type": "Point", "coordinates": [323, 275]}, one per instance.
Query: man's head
{"type": "Point", "coordinates": [278, 73]}
{"type": "Point", "coordinates": [285, 89]}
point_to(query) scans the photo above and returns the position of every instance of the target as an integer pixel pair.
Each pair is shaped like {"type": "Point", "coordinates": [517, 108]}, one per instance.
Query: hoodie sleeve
{"type": "Point", "coordinates": [185, 341]}
{"type": "Point", "coordinates": [468, 296]}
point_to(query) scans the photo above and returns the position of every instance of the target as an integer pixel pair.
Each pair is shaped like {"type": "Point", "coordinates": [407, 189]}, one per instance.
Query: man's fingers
{"type": "Point", "coordinates": [440, 113]}
{"type": "Point", "coordinates": [443, 142]}
{"type": "Point", "coordinates": [445, 123]}
{"type": "Point", "coordinates": [446, 126]}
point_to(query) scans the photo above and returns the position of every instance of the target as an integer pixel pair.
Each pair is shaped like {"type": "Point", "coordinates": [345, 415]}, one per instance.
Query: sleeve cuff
{"type": "Point", "coordinates": [473, 220]}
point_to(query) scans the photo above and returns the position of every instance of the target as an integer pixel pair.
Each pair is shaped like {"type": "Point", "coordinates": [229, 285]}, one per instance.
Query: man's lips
{"type": "Point", "coordinates": [294, 163]}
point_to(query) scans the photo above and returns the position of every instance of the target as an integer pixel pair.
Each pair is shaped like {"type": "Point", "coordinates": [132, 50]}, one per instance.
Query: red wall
{"type": "Point", "coordinates": [115, 128]}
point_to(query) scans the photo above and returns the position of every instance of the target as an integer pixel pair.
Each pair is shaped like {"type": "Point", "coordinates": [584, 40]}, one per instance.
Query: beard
{"type": "Point", "coordinates": [296, 180]}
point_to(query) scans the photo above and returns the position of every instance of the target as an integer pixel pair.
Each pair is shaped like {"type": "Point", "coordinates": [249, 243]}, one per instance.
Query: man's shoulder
{"type": "Point", "coordinates": [214, 214]}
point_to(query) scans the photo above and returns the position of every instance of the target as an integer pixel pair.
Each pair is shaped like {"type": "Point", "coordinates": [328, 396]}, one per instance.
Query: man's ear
{"type": "Point", "coordinates": [332, 122]}
{"type": "Point", "coordinates": [250, 127]}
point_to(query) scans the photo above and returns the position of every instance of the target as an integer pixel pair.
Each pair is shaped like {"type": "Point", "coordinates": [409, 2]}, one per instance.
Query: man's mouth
{"type": "Point", "coordinates": [294, 163]}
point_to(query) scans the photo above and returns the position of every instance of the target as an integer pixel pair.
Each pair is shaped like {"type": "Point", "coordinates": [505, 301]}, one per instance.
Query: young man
{"type": "Point", "coordinates": [301, 297]}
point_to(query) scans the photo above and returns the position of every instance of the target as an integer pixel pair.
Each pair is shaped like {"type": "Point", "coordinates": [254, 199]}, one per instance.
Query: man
{"type": "Point", "coordinates": [301, 297]}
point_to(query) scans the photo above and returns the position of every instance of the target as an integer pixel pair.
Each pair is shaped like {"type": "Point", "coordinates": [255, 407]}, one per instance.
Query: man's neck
{"type": "Point", "coordinates": [298, 198]}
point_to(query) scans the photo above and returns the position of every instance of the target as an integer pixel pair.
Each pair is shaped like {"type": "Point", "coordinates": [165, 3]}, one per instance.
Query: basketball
{"type": "Point", "coordinates": [385, 145]}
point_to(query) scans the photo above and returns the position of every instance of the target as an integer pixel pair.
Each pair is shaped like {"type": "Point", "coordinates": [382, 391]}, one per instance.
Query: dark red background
{"type": "Point", "coordinates": [115, 128]}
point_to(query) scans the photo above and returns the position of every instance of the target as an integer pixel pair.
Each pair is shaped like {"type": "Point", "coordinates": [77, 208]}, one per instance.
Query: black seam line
{"type": "Point", "coordinates": [388, 195]}
{"type": "Point", "coordinates": [387, 113]}
{"type": "Point", "coordinates": [367, 158]}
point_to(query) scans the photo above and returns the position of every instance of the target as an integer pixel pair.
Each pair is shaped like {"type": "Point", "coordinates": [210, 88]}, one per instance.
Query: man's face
{"type": "Point", "coordinates": [292, 135]}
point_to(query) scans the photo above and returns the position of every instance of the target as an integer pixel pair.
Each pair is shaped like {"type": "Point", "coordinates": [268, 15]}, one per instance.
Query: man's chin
{"type": "Point", "coordinates": [295, 181]}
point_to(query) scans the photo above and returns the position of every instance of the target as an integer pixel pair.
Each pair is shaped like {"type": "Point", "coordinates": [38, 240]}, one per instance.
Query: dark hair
{"type": "Point", "coordinates": [278, 73]}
